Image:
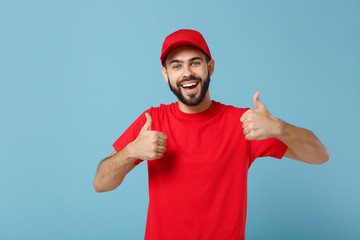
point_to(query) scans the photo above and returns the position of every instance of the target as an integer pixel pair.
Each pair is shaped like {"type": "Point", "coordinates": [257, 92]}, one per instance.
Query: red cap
{"type": "Point", "coordinates": [183, 37]}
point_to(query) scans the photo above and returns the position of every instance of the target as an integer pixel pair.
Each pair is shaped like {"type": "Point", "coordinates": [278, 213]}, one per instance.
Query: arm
{"type": "Point", "coordinates": [149, 145]}
{"type": "Point", "coordinates": [113, 169]}
{"type": "Point", "coordinates": [302, 144]}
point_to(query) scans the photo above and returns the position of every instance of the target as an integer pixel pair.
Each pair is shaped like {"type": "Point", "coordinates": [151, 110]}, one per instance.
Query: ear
{"type": "Point", "coordinates": [211, 65]}
{"type": "Point", "coordinates": [164, 73]}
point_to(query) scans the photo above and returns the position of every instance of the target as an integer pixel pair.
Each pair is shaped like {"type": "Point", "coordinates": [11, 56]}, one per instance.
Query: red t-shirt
{"type": "Point", "coordinates": [198, 190]}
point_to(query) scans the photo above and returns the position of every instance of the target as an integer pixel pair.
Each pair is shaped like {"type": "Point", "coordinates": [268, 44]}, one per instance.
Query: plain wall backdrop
{"type": "Point", "coordinates": [75, 74]}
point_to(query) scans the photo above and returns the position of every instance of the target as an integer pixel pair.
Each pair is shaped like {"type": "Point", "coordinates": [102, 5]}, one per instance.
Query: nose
{"type": "Point", "coordinates": [187, 71]}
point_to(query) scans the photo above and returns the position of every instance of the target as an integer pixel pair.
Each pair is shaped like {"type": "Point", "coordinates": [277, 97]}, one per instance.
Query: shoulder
{"type": "Point", "coordinates": [162, 108]}
{"type": "Point", "coordinates": [231, 110]}
{"type": "Point", "coordinates": [163, 111]}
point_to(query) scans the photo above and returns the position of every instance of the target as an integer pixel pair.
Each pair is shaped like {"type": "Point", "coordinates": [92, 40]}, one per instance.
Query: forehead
{"type": "Point", "coordinates": [184, 53]}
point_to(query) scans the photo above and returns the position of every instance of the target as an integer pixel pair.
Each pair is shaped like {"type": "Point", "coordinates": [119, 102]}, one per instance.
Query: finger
{"type": "Point", "coordinates": [257, 103]}
{"type": "Point", "coordinates": [161, 149]}
{"type": "Point", "coordinates": [161, 142]}
{"type": "Point", "coordinates": [156, 156]}
{"type": "Point", "coordinates": [162, 135]}
{"type": "Point", "coordinates": [248, 137]}
{"type": "Point", "coordinates": [244, 125]}
{"type": "Point", "coordinates": [256, 99]}
{"type": "Point", "coordinates": [246, 131]}
{"type": "Point", "coordinates": [159, 155]}
{"type": "Point", "coordinates": [243, 117]}
{"type": "Point", "coordinates": [148, 123]}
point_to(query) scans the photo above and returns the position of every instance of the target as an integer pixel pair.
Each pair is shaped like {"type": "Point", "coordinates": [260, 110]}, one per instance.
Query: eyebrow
{"type": "Point", "coordinates": [190, 60]}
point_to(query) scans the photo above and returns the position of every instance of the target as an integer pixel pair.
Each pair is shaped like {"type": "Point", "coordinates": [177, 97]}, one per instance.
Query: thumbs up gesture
{"type": "Point", "coordinates": [149, 145]}
{"type": "Point", "coordinates": [258, 123]}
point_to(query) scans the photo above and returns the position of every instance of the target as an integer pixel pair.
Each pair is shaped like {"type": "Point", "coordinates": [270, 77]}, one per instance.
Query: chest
{"type": "Point", "coordinates": [203, 148]}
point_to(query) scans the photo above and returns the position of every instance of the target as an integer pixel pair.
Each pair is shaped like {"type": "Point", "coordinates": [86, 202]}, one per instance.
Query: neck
{"type": "Point", "coordinates": [201, 107]}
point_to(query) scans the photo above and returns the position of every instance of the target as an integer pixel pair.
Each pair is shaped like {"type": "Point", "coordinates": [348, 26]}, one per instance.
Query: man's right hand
{"type": "Point", "coordinates": [149, 145]}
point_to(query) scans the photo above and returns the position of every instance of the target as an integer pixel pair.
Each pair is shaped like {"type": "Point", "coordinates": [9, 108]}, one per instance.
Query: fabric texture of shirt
{"type": "Point", "coordinates": [198, 189]}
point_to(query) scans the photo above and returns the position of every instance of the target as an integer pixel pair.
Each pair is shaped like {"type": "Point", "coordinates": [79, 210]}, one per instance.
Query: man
{"type": "Point", "coordinates": [199, 151]}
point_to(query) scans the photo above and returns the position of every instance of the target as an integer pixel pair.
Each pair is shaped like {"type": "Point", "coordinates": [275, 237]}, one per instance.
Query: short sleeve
{"type": "Point", "coordinates": [270, 147]}
{"type": "Point", "coordinates": [131, 134]}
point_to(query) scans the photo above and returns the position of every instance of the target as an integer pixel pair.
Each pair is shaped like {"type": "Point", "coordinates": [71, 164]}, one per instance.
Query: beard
{"type": "Point", "coordinates": [193, 99]}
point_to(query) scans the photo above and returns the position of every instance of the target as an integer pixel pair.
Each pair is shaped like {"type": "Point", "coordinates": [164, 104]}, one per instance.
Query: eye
{"type": "Point", "coordinates": [195, 63]}
{"type": "Point", "coordinates": [175, 66]}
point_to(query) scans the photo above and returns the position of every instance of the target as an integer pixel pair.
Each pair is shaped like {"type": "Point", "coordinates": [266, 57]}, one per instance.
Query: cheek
{"type": "Point", "coordinates": [202, 73]}
{"type": "Point", "coordinates": [172, 78]}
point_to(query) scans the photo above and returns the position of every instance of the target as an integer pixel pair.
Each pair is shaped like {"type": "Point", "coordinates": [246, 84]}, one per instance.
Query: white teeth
{"type": "Point", "coordinates": [189, 85]}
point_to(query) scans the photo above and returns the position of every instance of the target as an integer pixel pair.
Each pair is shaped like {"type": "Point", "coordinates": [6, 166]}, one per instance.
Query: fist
{"type": "Point", "coordinates": [258, 123]}
{"type": "Point", "coordinates": [149, 145]}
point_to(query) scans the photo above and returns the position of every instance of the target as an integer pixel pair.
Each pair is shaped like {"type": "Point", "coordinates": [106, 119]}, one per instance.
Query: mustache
{"type": "Point", "coordinates": [188, 79]}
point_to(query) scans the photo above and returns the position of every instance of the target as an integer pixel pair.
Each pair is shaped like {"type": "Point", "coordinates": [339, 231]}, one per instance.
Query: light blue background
{"type": "Point", "coordinates": [75, 74]}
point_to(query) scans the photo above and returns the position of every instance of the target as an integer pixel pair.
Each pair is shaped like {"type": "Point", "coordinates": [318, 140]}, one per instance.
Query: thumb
{"type": "Point", "coordinates": [148, 123]}
{"type": "Point", "coordinates": [257, 103]}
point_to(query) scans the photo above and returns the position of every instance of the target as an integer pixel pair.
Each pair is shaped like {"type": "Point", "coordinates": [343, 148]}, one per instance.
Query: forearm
{"type": "Point", "coordinates": [302, 144]}
{"type": "Point", "coordinates": [112, 170]}
{"type": "Point", "coordinates": [149, 145]}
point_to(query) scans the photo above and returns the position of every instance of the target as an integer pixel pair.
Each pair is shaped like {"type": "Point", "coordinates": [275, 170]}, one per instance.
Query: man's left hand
{"type": "Point", "coordinates": [258, 123]}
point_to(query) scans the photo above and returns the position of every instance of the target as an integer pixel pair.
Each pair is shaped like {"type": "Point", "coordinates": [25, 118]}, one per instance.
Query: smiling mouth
{"type": "Point", "coordinates": [189, 85]}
